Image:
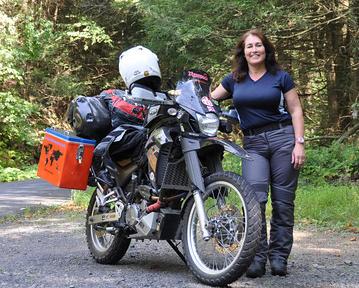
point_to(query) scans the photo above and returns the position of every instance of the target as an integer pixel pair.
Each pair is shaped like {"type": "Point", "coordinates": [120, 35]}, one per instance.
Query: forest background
{"type": "Point", "coordinates": [52, 51]}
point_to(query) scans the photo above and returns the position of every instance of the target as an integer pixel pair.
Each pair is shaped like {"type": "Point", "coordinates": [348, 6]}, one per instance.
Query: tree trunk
{"type": "Point", "coordinates": [330, 51]}
{"type": "Point", "coordinates": [354, 52]}
{"type": "Point", "coordinates": [337, 68]}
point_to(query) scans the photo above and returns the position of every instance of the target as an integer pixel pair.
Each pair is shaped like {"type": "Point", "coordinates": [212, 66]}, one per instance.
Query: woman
{"type": "Point", "coordinates": [273, 127]}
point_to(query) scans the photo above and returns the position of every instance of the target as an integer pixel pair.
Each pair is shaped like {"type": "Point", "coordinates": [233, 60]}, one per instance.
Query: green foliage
{"type": "Point", "coordinates": [328, 205]}
{"type": "Point", "coordinates": [232, 163]}
{"type": "Point", "coordinates": [9, 174]}
{"type": "Point", "coordinates": [49, 53]}
{"type": "Point", "coordinates": [39, 39]}
{"type": "Point", "coordinates": [336, 162]}
{"type": "Point", "coordinates": [15, 156]}
{"type": "Point", "coordinates": [39, 56]}
{"type": "Point", "coordinates": [87, 32]}
{"type": "Point", "coordinates": [15, 114]}
{"type": "Point", "coordinates": [9, 71]}
{"type": "Point", "coordinates": [66, 86]}
{"type": "Point", "coordinates": [190, 34]}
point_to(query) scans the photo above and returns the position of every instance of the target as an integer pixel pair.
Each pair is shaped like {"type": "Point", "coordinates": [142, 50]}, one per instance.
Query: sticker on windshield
{"type": "Point", "coordinates": [206, 101]}
{"type": "Point", "coordinates": [198, 76]}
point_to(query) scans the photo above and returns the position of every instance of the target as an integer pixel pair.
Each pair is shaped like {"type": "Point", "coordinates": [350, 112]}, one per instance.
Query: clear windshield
{"type": "Point", "coordinates": [195, 96]}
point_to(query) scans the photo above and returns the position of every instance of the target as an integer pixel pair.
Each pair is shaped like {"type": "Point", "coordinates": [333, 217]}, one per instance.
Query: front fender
{"type": "Point", "coordinates": [227, 145]}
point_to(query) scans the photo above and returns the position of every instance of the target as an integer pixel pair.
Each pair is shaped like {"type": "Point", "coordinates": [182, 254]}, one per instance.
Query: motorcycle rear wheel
{"type": "Point", "coordinates": [235, 224]}
{"type": "Point", "coordinates": [105, 247]}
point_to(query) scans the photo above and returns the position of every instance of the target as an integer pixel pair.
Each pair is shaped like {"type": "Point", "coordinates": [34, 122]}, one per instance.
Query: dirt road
{"type": "Point", "coordinates": [52, 252]}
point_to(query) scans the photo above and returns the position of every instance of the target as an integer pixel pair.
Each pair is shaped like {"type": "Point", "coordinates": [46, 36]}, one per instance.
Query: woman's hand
{"type": "Point", "coordinates": [298, 156]}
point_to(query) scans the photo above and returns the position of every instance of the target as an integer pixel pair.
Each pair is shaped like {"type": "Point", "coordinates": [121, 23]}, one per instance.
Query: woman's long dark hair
{"type": "Point", "coordinates": [240, 65]}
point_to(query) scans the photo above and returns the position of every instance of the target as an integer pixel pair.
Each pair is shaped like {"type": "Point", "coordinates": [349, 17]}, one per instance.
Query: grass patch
{"type": "Point", "coordinates": [328, 205]}
{"type": "Point", "coordinates": [322, 204]}
{"type": "Point", "coordinates": [325, 206]}
{"type": "Point", "coordinates": [31, 213]}
{"type": "Point", "coordinates": [9, 218]}
{"type": "Point", "coordinates": [82, 198]}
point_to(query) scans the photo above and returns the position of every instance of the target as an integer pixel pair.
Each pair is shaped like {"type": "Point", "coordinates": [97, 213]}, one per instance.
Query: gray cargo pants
{"type": "Point", "coordinates": [271, 166]}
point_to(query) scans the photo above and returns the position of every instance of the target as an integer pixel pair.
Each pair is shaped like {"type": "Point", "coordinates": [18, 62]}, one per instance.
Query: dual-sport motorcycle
{"type": "Point", "coordinates": [176, 189]}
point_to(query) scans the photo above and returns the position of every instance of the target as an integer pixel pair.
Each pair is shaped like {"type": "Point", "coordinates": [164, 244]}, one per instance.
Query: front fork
{"type": "Point", "coordinates": [189, 147]}
{"type": "Point", "coordinates": [202, 217]}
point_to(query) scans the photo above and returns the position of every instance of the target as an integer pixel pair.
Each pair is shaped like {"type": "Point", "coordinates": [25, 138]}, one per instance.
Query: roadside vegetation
{"type": "Point", "coordinates": [52, 51]}
{"type": "Point", "coordinates": [82, 198]}
{"type": "Point", "coordinates": [9, 174]}
{"type": "Point", "coordinates": [328, 188]}
{"type": "Point", "coordinates": [72, 211]}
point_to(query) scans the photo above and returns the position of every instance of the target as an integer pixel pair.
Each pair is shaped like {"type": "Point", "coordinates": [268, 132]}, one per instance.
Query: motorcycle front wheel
{"type": "Point", "coordinates": [234, 222]}
{"type": "Point", "coordinates": [106, 243]}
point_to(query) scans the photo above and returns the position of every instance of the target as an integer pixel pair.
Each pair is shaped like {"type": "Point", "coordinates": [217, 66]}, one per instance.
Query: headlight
{"type": "Point", "coordinates": [208, 124]}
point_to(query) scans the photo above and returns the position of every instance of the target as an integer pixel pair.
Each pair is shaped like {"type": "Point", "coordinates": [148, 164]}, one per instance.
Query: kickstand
{"type": "Point", "coordinates": [175, 247]}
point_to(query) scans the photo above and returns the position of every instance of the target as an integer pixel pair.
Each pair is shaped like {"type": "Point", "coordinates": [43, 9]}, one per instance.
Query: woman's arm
{"type": "Point", "coordinates": [295, 110]}
{"type": "Point", "coordinates": [219, 93]}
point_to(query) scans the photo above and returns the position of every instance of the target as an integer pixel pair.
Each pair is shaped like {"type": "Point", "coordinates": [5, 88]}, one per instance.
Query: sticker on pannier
{"type": "Point", "coordinates": [65, 159]}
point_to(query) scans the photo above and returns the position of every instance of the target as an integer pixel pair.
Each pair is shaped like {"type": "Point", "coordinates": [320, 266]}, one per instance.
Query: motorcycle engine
{"type": "Point", "coordinates": [145, 224]}
{"type": "Point", "coordinates": [134, 212]}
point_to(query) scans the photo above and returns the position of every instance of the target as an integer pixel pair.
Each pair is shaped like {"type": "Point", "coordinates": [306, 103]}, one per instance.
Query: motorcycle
{"type": "Point", "coordinates": [177, 190]}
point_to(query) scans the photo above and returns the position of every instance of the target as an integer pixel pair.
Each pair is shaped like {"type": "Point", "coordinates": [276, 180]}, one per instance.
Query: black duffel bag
{"type": "Point", "coordinates": [89, 117]}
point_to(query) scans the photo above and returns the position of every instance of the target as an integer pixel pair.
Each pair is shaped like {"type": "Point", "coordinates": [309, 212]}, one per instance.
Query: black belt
{"type": "Point", "coordinates": [266, 128]}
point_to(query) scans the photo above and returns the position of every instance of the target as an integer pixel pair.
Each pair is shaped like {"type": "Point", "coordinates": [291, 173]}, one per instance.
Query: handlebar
{"type": "Point", "coordinates": [231, 115]}
{"type": "Point", "coordinates": [231, 118]}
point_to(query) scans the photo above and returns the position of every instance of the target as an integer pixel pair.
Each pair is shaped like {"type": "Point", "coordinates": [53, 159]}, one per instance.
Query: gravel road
{"type": "Point", "coordinates": [52, 252]}
{"type": "Point", "coordinates": [18, 195]}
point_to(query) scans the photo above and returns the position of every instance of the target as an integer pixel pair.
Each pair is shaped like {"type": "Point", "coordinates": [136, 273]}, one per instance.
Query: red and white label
{"type": "Point", "coordinates": [206, 101]}
{"type": "Point", "coordinates": [198, 76]}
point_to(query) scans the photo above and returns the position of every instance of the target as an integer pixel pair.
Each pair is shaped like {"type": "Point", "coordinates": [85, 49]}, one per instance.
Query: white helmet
{"type": "Point", "coordinates": [138, 63]}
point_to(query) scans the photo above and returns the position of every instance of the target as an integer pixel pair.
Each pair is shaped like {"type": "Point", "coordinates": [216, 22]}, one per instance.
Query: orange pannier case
{"type": "Point", "coordinates": [65, 159]}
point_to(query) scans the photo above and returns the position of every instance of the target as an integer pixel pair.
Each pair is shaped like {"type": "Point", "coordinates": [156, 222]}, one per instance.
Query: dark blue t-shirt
{"type": "Point", "coordinates": [260, 102]}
